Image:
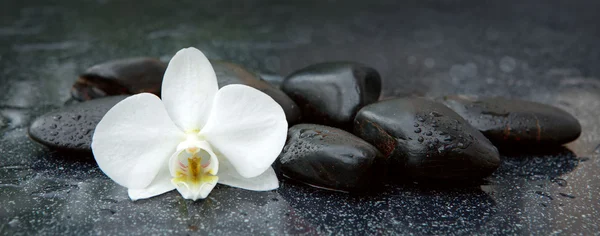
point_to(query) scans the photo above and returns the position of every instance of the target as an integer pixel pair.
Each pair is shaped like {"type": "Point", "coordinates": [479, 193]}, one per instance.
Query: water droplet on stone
{"type": "Point", "coordinates": [435, 114]}
{"type": "Point", "coordinates": [420, 139]}
{"type": "Point", "coordinates": [428, 133]}
{"type": "Point", "coordinates": [418, 130]}
{"type": "Point", "coordinates": [57, 117]}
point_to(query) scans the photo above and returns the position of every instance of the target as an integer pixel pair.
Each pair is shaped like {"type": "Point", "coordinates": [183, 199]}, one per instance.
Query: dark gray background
{"type": "Point", "coordinates": [540, 50]}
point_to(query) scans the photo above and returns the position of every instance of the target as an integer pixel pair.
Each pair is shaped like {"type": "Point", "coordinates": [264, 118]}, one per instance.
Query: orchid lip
{"type": "Point", "coordinates": [193, 168]}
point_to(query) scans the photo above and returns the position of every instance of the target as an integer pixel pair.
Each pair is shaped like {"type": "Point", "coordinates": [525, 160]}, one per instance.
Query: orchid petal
{"type": "Point", "coordinates": [263, 182]}
{"type": "Point", "coordinates": [188, 88]}
{"type": "Point", "coordinates": [247, 127]}
{"type": "Point", "coordinates": [134, 140]}
{"type": "Point", "coordinates": [161, 184]}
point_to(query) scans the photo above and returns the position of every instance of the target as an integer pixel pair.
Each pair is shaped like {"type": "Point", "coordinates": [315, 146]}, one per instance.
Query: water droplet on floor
{"type": "Point", "coordinates": [567, 195]}
{"type": "Point", "coordinates": [560, 182]}
{"type": "Point", "coordinates": [544, 195]}
{"type": "Point", "coordinates": [418, 130]}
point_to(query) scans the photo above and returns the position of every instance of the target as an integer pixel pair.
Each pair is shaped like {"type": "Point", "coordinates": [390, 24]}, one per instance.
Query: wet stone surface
{"type": "Point", "coordinates": [71, 128]}
{"type": "Point", "coordinates": [510, 123]}
{"type": "Point", "coordinates": [331, 93]}
{"type": "Point", "coordinates": [542, 51]}
{"type": "Point", "coordinates": [426, 140]}
{"type": "Point", "coordinates": [331, 158]}
{"type": "Point", "coordinates": [124, 76]}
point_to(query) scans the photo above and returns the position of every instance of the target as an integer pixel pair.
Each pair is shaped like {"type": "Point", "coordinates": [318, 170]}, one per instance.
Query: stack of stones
{"type": "Point", "coordinates": [342, 137]}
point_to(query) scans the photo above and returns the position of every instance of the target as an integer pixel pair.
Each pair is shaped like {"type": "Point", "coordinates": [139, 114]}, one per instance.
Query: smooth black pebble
{"type": "Point", "coordinates": [330, 158]}
{"type": "Point", "coordinates": [230, 73]}
{"type": "Point", "coordinates": [274, 79]}
{"type": "Point", "coordinates": [71, 128]}
{"type": "Point", "coordinates": [331, 93]}
{"type": "Point", "coordinates": [118, 77]}
{"type": "Point", "coordinates": [511, 123]}
{"type": "Point", "coordinates": [425, 139]}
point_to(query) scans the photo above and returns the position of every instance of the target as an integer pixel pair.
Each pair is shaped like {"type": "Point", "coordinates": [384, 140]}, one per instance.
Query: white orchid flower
{"type": "Point", "coordinates": [196, 137]}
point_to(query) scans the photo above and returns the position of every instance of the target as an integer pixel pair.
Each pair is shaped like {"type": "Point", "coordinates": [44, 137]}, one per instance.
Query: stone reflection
{"type": "Point", "coordinates": [401, 209]}
{"type": "Point", "coordinates": [548, 166]}
{"type": "Point", "coordinates": [530, 184]}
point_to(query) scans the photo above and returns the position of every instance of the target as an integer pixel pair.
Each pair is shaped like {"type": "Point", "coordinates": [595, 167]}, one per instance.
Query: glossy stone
{"type": "Point", "coordinates": [230, 73]}
{"type": "Point", "coordinates": [331, 93]}
{"type": "Point", "coordinates": [509, 122]}
{"type": "Point", "coordinates": [124, 76]}
{"type": "Point", "coordinates": [330, 158]}
{"type": "Point", "coordinates": [273, 79]}
{"type": "Point", "coordinates": [71, 128]}
{"type": "Point", "coordinates": [425, 139]}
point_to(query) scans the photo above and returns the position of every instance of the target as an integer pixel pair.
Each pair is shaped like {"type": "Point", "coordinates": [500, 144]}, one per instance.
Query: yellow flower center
{"type": "Point", "coordinates": [194, 168]}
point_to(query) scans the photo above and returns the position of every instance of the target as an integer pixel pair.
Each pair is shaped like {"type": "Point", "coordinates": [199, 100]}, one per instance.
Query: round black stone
{"type": "Point", "coordinates": [71, 128]}
{"type": "Point", "coordinates": [331, 93]}
{"type": "Point", "coordinates": [446, 147]}
{"type": "Point", "coordinates": [124, 76]}
{"type": "Point", "coordinates": [330, 158]}
{"type": "Point", "coordinates": [510, 123]}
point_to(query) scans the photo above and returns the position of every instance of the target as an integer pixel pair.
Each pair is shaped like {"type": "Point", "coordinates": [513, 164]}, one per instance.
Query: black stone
{"type": "Point", "coordinates": [425, 139]}
{"type": "Point", "coordinates": [124, 76]}
{"type": "Point", "coordinates": [230, 73]}
{"type": "Point", "coordinates": [331, 93]}
{"type": "Point", "coordinates": [330, 158]}
{"type": "Point", "coordinates": [510, 123]}
{"type": "Point", "coordinates": [71, 128]}
{"type": "Point", "coordinates": [274, 79]}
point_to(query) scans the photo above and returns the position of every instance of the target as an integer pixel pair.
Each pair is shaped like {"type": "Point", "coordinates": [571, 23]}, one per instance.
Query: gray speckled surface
{"type": "Point", "coordinates": [545, 51]}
